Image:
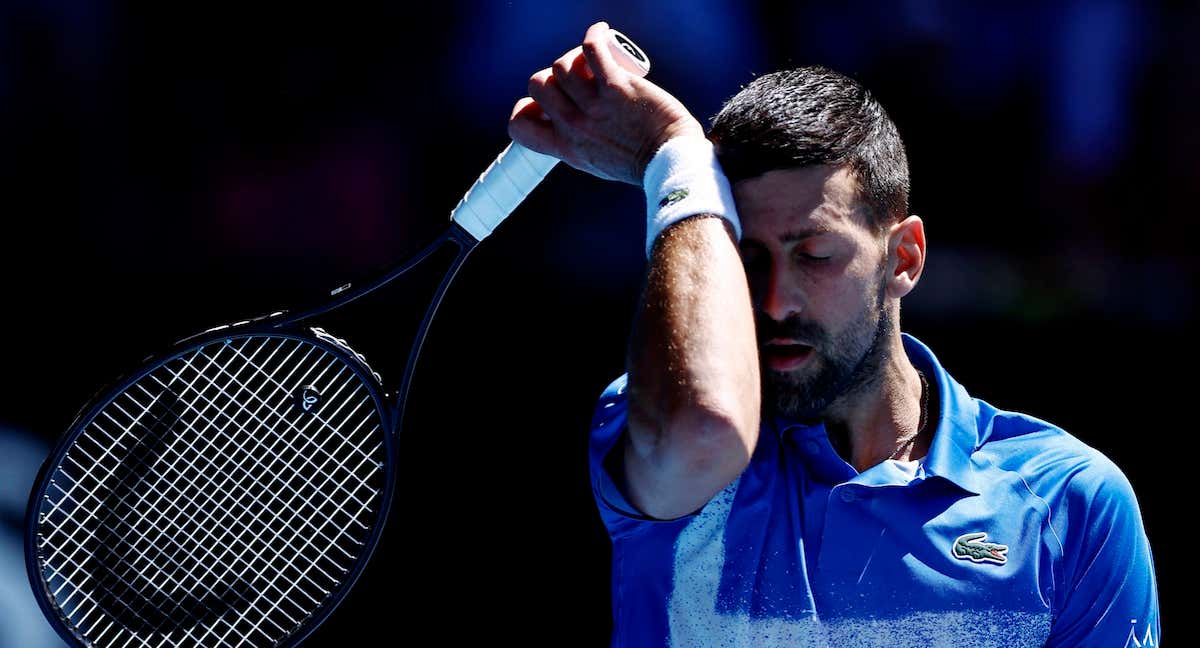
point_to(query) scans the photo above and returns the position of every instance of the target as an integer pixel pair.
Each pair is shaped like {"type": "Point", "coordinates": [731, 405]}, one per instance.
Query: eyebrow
{"type": "Point", "coordinates": [802, 234]}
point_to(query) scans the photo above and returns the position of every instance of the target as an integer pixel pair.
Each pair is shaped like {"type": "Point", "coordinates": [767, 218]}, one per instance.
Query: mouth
{"type": "Point", "coordinates": [785, 355]}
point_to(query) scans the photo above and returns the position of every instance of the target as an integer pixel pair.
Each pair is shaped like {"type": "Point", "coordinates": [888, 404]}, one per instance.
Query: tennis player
{"type": "Point", "coordinates": [781, 465]}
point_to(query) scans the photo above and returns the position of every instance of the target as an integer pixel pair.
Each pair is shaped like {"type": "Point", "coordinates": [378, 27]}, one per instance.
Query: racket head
{"type": "Point", "coordinates": [200, 521]}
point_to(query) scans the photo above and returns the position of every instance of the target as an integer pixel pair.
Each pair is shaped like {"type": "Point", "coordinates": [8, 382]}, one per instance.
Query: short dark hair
{"type": "Point", "coordinates": [813, 115]}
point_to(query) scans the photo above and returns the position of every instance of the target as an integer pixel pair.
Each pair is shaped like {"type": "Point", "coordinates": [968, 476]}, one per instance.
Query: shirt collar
{"type": "Point", "coordinates": [957, 433]}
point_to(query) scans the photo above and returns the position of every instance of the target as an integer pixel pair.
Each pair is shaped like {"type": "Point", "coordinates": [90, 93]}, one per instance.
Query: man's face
{"type": "Point", "coordinates": [816, 274]}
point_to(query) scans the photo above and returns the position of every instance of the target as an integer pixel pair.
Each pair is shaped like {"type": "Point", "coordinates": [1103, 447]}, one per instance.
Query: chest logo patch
{"type": "Point", "coordinates": [973, 547]}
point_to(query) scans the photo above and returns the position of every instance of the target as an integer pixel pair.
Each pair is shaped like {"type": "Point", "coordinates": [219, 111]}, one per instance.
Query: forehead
{"type": "Point", "coordinates": [806, 200]}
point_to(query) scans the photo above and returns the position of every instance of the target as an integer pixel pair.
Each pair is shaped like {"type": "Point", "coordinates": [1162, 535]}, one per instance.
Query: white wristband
{"type": "Point", "coordinates": [684, 179]}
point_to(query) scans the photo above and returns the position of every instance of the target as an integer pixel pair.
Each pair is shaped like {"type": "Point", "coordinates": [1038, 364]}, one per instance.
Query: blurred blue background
{"type": "Point", "coordinates": [168, 168]}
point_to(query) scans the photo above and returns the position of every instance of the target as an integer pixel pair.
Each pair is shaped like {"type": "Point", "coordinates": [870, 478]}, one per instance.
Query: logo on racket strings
{"type": "Point", "coordinates": [307, 399]}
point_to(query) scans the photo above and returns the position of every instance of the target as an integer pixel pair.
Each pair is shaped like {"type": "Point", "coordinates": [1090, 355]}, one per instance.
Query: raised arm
{"type": "Point", "coordinates": [693, 361]}
{"type": "Point", "coordinates": [693, 373]}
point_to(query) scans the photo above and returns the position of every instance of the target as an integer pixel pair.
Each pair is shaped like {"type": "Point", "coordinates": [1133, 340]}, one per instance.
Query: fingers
{"type": "Point", "coordinates": [528, 126]}
{"type": "Point", "coordinates": [544, 88]}
{"type": "Point", "coordinates": [553, 96]}
{"type": "Point", "coordinates": [573, 75]}
{"type": "Point", "coordinates": [598, 56]}
{"type": "Point", "coordinates": [570, 115]}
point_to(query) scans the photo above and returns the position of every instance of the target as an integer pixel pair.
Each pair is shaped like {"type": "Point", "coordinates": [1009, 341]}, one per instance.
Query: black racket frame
{"type": "Point", "coordinates": [279, 324]}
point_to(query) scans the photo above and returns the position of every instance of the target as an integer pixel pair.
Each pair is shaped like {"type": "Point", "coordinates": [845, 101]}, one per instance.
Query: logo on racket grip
{"type": "Point", "coordinates": [307, 399]}
{"type": "Point", "coordinates": [628, 46]}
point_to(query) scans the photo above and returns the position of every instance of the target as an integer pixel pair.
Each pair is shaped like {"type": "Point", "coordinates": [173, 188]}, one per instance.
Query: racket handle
{"type": "Point", "coordinates": [499, 189]}
{"type": "Point", "coordinates": [517, 170]}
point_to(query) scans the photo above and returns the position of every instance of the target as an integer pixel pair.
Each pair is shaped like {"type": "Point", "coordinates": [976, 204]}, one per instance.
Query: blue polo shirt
{"type": "Point", "coordinates": [1010, 532]}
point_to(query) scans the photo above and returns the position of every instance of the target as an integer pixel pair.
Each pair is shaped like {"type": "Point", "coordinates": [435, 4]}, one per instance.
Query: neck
{"type": "Point", "coordinates": [869, 423]}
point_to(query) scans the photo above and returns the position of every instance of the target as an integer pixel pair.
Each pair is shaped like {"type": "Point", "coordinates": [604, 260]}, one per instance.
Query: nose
{"type": "Point", "coordinates": [779, 297]}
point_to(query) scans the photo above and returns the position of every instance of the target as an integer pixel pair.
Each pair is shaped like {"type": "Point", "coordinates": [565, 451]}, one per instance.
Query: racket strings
{"type": "Point", "coordinates": [297, 493]}
{"type": "Point", "coordinates": [198, 477]}
{"type": "Point", "coordinates": [139, 455]}
{"type": "Point", "coordinates": [143, 466]}
{"type": "Point", "coordinates": [259, 483]}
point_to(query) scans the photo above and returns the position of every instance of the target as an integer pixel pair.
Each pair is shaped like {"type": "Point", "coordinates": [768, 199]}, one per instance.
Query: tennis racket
{"type": "Point", "coordinates": [230, 491]}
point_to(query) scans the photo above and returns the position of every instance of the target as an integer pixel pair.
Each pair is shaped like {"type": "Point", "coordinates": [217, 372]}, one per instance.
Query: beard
{"type": "Point", "coordinates": [841, 364]}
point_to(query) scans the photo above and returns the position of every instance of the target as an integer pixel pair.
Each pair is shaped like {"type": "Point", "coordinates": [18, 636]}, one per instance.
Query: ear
{"type": "Point", "coordinates": [906, 256]}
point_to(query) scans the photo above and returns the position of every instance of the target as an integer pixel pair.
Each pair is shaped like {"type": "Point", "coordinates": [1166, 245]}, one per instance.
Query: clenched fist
{"type": "Point", "coordinates": [591, 113]}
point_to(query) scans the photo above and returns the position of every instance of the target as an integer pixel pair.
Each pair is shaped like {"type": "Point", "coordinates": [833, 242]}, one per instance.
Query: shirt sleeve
{"type": "Point", "coordinates": [607, 431]}
{"type": "Point", "coordinates": [1109, 596]}
{"type": "Point", "coordinates": [607, 435]}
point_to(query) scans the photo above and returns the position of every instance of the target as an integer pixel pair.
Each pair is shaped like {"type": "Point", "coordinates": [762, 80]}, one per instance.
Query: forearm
{"type": "Point", "coordinates": [693, 367]}
{"type": "Point", "coordinates": [693, 363]}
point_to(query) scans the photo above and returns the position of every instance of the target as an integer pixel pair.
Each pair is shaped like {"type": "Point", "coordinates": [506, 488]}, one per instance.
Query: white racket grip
{"type": "Point", "coordinates": [499, 189]}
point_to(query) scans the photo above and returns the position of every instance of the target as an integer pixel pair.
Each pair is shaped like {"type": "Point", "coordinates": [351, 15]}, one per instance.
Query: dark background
{"type": "Point", "coordinates": [169, 168]}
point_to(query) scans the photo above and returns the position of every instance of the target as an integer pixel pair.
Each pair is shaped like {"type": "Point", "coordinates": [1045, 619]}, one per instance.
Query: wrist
{"type": "Point", "coordinates": [684, 179]}
{"type": "Point", "coordinates": [684, 128]}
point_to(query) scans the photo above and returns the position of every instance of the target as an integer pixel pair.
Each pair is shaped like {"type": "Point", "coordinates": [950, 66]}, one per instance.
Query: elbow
{"type": "Point", "coordinates": [675, 469]}
{"type": "Point", "coordinates": [704, 424]}
{"type": "Point", "coordinates": [715, 438]}
{"type": "Point", "coordinates": [697, 437]}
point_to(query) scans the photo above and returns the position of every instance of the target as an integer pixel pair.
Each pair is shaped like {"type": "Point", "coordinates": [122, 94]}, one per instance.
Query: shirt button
{"type": "Point", "coordinates": [810, 447]}
{"type": "Point", "coordinates": [848, 495]}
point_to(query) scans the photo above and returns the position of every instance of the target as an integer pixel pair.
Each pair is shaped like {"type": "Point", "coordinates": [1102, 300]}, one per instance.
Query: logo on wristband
{"type": "Point", "coordinates": [673, 197]}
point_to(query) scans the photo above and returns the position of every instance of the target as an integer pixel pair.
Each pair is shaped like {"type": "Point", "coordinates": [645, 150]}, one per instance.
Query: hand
{"type": "Point", "coordinates": [591, 113]}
